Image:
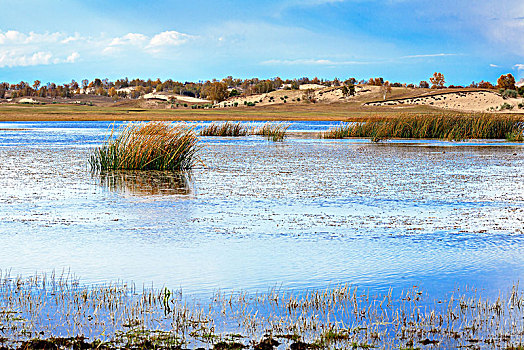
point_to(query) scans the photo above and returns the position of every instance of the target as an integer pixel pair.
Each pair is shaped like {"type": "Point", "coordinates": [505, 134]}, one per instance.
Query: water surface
{"type": "Point", "coordinates": [302, 214]}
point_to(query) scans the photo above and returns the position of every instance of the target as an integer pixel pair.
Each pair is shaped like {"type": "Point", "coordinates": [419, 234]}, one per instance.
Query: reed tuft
{"type": "Point", "coordinates": [225, 129]}
{"type": "Point", "coordinates": [434, 127]}
{"type": "Point", "coordinates": [149, 146]}
{"type": "Point", "coordinates": [273, 131]}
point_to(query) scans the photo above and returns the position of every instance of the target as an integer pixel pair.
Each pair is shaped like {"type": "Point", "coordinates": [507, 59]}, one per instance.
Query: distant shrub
{"type": "Point", "coordinates": [509, 93]}
{"type": "Point", "coordinates": [250, 104]}
{"type": "Point", "coordinates": [235, 104]}
{"type": "Point", "coordinates": [505, 106]}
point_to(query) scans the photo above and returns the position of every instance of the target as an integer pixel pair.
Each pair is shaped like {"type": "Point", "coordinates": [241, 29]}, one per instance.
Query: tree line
{"type": "Point", "coordinates": [217, 90]}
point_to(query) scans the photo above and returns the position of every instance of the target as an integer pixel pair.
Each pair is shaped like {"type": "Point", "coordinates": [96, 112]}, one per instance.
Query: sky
{"type": "Point", "coordinates": [400, 40]}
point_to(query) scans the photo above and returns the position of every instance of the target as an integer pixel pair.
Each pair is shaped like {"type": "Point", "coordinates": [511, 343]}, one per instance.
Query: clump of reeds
{"type": "Point", "coordinates": [225, 129]}
{"type": "Point", "coordinates": [433, 127]}
{"type": "Point", "coordinates": [273, 131]}
{"type": "Point", "coordinates": [147, 146]}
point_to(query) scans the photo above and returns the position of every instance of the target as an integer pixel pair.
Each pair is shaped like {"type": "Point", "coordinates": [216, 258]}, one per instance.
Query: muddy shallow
{"type": "Point", "coordinates": [303, 214]}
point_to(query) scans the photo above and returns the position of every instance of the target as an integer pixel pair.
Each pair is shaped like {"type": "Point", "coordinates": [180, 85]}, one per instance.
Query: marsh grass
{"type": "Point", "coordinates": [273, 131]}
{"type": "Point", "coordinates": [59, 309]}
{"type": "Point", "coordinates": [433, 127]}
{"type": "Point", "coordinates": [147, 146]}
{"type": "Point", "coordinates": [225, 129]}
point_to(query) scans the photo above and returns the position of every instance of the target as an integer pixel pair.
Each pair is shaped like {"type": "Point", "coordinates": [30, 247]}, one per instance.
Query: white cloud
{"type": "Point", "coordinates": [16, 59]}
{"type": "Point", "coordinates": [129, 39]}
{"type": "Point", "coordinates": [493, 65]}
{"type": "Point", "coordinates": [73, 57]}
{"type": "Point", "coordinates": [169, 38]}
{"type": "Point", "coordinates": [142, 42]}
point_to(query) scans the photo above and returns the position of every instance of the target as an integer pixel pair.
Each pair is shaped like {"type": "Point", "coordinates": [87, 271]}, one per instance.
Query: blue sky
{"type": "Point", "coordinates": [399, 40]}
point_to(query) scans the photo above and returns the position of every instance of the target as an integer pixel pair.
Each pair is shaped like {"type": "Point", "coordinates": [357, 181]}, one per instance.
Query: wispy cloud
{"type": "Point", "coordinates": [311, 62]}
{"type": "Point", "coordinates": [431, 55]}
{"type": "Point", "coordinates": [494, 65]}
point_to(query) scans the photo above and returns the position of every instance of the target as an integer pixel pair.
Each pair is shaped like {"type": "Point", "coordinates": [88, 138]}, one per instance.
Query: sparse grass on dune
{"type": "Point", "coordinates": [148, 146]}
{"type": "Point", "coordinates": [434, 127]}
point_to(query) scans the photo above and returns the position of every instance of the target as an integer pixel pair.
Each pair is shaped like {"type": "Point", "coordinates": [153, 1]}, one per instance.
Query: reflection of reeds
{"type": "Point", "coordinates": [273, 131]}
{"type": "Point", "coordinates": [149, 146]}
{"type": "Point", "coordinates": [225, 129]}
{"type": "Point", "coordinates": [343, 317]}
{"type": "Point", "coordinates": [144, 183]}
{"type": "Point", "coordinates": [433, 127]}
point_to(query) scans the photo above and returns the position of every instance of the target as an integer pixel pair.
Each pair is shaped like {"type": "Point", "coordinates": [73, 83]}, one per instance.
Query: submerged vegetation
{"type": "Point", "coordinates": [148, 146]}
{"type": "Point", "coordinates": [272, 131]}
{"type": "Point", "coordinates": [434, 127]}
{"type": "Point", "coordinates": [57, 310]}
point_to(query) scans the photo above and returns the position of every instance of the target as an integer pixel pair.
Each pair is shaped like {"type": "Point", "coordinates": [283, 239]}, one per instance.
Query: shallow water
{"type": "Point", "coordinates": [302, 214]}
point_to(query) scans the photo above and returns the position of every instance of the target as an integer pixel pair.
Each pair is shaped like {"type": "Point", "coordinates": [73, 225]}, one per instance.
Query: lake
{"type": "Point", "coordinates": [303, 214]}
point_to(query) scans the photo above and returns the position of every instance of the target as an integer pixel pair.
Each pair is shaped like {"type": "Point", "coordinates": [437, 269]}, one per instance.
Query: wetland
{"type": "Point", "coordinates": [267, 221]}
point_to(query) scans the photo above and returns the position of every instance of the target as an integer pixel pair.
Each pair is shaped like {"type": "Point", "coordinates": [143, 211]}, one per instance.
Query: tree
{"type": "Point", "coordinates": [485, 85]}
{"type": "Point", "coordinates": [437, 81]}
{"type": "Point", "coordinates": [36, 84]}
{"type": "Point", "coordinates": [385, 89]}
{"type": "Point", "coordinates": [423, 84]}
{"type": "Point", "coordinates": [348, 90]}
{"type": "Point", "coordinates": [506, 82]}
{"type": "Point", "coordinates": [112, 92]}
{"type": "Point", "coordinates": [215, 91]}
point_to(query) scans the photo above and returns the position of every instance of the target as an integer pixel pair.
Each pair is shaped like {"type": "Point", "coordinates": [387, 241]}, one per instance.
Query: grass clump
{"type": "Point", "coordinates": [274, 132]}
{"type": "Point", "coordinates": [225, 129]}
{"type": "Point", "coordinates": [148, 146]}
{"type": "Point", "coordinates": [432, 127]}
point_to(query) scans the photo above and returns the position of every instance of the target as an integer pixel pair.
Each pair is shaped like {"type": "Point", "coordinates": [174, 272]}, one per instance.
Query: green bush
{"type": "Point", "coordinates": [509, 94]}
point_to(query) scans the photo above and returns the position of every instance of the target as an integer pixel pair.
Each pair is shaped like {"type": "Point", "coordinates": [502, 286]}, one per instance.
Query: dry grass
{"type": "Point", "coordinates": [273, 131]}
{"type": "Point", "coordinates": [446, 127]}
{"type": "Point", "coordinates": [148, 146]}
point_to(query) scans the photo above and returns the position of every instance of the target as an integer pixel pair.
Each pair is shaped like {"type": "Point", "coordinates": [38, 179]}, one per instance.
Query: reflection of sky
{"type": "Point", "coordinates": [302, 214]}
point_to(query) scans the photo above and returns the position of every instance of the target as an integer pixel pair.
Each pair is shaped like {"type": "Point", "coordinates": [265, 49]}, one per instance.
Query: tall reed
{"type": "Point", "coordinates": [433, 127]}
{"type": "Point", "coordinates": [149, 146]}
{"type": "Point", "coordinates": [273, 131]}
{"type": "Point", "coordinates": [225, 129]}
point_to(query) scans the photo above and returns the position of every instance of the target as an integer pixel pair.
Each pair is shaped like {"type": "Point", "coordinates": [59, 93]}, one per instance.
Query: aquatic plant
{"type": "Point", "coordinates": [225, 129]}
{"type": "Point", "coordinates": [59, 310]}
{"type": "Point", "coordinates": [431, 127]}
{"type": "Point", "coordinates": [273, 131]}
{"type": "Point", "coordinates": [147, 146]}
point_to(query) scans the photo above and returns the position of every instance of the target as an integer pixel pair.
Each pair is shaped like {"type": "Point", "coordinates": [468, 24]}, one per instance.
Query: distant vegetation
{"type": "Point", "coordinates": [149, 146]}
{"type": "Point", "coordinates": [215, 90]}
{"type": "Point", "coordinates": [434, 127]}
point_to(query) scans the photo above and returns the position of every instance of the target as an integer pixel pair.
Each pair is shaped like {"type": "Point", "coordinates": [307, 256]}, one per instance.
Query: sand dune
{"type": "Point", "coordinates": [468, 101]}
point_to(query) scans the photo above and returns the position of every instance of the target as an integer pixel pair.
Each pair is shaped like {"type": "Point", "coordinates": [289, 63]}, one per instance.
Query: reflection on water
{"type": "Point", "coordinates": [146, 183]}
